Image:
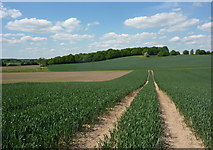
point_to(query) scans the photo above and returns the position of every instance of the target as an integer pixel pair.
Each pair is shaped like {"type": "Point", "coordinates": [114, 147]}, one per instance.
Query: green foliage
{"type": "Point", "coordinates": [185, 52]}
{"type": "Point", "coordinates": [191, 92]}
{"type": "Point", "coordinates": [174, 53]}
{"type": "Point", "coordinates": [200, 52]}
{"type": "Point", "coordinates": [130, 63]}
{"type": "Point", "coordinates": [192, 52]}
{"type": "Point", "coordinates": [105, 55]}
{"type": "Point", "coordinates": [140, 126]}
{"type": "Point", "coordinates": [42, 62]}
{"type": "Point", "coordinates": [48, 115]}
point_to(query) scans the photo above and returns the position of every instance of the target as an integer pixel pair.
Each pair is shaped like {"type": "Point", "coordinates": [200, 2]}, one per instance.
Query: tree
{"type": "Point", "coordinates": [163, 53]}
{"type": "Point", "coordinates": [200, 52]}
{"type": "Point", "coordinates": [208, 52]}
{"type": "Point", "coordinates": [173, 53]}
{"type": "Point", "coordinates": [146, 54]}
{"type": "Point", "coordinates": [185, 52]}
{"type": "Point", "coordinates": [42, 62]}
{"type": "Point", "coordinates": [192, 52]}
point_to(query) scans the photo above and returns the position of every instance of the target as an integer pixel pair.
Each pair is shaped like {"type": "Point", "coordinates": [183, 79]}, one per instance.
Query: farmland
{"type": "Point", "coordinates": [191, 92]}
{"type": "Point", "coordinates": [49, 115]}
{"type": "Point", "coordinates": [87, 76]}
{"type": "Point", "coordinates": [141, 125]}
{"type": "Point", "coordinates": [29, 68]}
{"type": "Point", "coordinates": [135, 63]}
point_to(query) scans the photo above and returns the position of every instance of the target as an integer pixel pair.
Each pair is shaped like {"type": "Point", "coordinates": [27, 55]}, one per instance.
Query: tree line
{"type": "Point", "coordinates": [102, 55]}
{"type": "Point", "coordinates": [108, 54]}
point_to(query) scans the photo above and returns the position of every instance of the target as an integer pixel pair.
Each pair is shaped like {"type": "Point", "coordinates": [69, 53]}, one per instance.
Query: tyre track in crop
{"type": "Point", "coordinates": [176, 132]}
{"type": "Point", "coordinates": [106, 122]}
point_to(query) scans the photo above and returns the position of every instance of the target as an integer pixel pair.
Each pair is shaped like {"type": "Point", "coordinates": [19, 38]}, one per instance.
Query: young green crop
{"type": "Point", "coordinates": [191, 92]}
{"type": "Point", "coordinates": [141, 125]}
{"type": "Point", "coordinates": [133, 62]}
{"type": "Point", "coordinates": [48, 115]}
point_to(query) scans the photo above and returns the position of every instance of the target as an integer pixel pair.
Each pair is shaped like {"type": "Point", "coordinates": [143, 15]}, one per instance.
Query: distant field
{"type": "Point", "coordinates": [28, 68]}
{"type": "Point", "coordinates": [86, 76]}
{"type": "Point", "coordinates": [132, 63]}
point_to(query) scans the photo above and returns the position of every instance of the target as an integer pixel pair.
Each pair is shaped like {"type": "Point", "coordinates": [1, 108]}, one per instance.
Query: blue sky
{"type": "Point", "coordinates": [34, 30]}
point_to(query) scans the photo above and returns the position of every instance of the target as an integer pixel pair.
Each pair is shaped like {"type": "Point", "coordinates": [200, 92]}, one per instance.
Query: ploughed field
{"type": "Point", "coordinates": [50, 115]}
{"type": "Point", "coordinates": [86, 76]}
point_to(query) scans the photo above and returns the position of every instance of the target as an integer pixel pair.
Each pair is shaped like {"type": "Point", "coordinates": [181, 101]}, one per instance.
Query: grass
{"type": "Point", "coordinates": [191, 92]}
{"type": "Point", "coordinates": [139, 63]}
{"type": "Point", "coordinates": [48, 115]}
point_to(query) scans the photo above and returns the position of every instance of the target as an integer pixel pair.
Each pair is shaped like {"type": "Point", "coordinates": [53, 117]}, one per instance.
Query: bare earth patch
{"type": "Point", "coordinates": [106, 124]}
{"type": "Point", "coordinates": [177, 134]}
{"type": "Point", "coordinates": [84, 76]}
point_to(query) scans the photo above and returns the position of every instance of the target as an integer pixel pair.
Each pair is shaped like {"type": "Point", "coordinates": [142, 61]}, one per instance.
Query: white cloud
{"type": "Point", "coordinates": [113, 35]}
{"type": "Point", "coordinates": [113, 40]}
{"type": "Point", "coordinates": [157, 20]}
{"type": "Point", "coordinates": [30, 25]}
{"type": "Point", "coordinates": [205, 27]}
{"type": "Point", "coordinates": [11, 34]}
{"type": "Point", "coordinates": [62, 44]}
{"type": "Point", "coordinates": [43, 26]}
{"type": "Point", "coordinates": [24, 39]}
{"type": "Point", "coordinates": [180, 27]}
{"type": "Point", "coordinates": [70, 24]}
{"type": "Point", "coordinates": [174, 39]}
{"type": "Point", "coordinates": [193, 37]}
{"type": "Point", "coordinates": [176, 9]}
{"type": "Point", "coordinates": [66, 36]}
{"type": "Point", "coordinates": [13, 13]}
{"type": "Point", "coordinates": [93, 23]}
{"type": "Point", "coordinates": [52, 50]}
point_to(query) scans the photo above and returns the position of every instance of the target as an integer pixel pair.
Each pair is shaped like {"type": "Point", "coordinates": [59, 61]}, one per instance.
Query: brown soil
{"type": "Point", "coordinates": [106, 124]}
{"type": "Point", "coordinates": [177, 134]}
{"type": "Point", "coordinates": [84, 76]}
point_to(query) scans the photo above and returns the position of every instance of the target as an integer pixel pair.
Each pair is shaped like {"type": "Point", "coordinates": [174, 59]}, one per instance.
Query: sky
{"type": "Point", "coordinates": [50, 29]}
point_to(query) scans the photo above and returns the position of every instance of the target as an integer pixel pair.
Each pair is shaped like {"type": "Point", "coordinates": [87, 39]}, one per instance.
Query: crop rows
{"type": "Point", "coordinates": [141, 125]}
{"type": "Point", "coordinates": [48, 115]}
{"type": "Point", "coordinates": [191, 92]}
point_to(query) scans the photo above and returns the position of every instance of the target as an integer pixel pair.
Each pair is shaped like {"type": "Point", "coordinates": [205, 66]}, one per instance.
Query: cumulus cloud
{"type": "Point", "coordinates": [193, 37]}
{"type": "Point", "coordinates": [42, 25]}
{"type": "Point", "coordinates": [174, 39]}
{"type": "Point", "coordinates": [24, 39]}
{"type": "Point", "coordinates": [205, 27]}
{"type": "Point", "coordinates": [12, 13]}
{"type": "Point", "coordinates": [180, 27]}
{"type": "Point", "coordinates": [66, 36]}
{"type": "Point", "coordinates": [93, 23]}
{"type": "Point", "coordinates": [30, 25]}
{"type": "Point", "coordinates": [11, 34]}
{"type": "Point", "coordinates": [70, 24]}
{"type": "Point", "coordinates": [176, 9]}
{"type": "Point", "coordinates": [114, 40]}
{"type": "Point", "coordinates": [157, 20]}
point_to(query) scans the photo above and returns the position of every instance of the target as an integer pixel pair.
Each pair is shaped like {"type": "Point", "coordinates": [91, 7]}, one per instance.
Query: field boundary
{"type": "Point", "coordinates": [107, 122]}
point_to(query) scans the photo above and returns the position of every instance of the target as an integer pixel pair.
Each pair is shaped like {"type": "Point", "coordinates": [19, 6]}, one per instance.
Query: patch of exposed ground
{"type": "Point", "coordinates": [177, 134]}
{"type": "Point", "coordinates": [106, 124]}
{"type": "Point", "coordinates": [83, 76]}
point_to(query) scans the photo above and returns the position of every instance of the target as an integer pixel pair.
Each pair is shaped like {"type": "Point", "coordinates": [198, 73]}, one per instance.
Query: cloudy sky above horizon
{"type": "Point", "coordinates": [34, 30]}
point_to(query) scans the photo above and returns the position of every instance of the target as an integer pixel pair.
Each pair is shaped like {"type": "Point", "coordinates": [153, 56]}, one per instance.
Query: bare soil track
{"type": "Point", "coordinates": [177, 134]}
{"type": "Point", "coordinates": [83, 76]}
{"type": "Point", "coordinates": [106, 124]}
